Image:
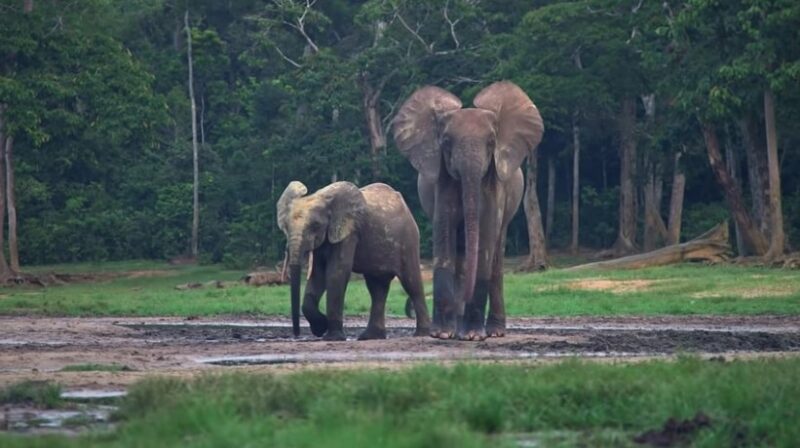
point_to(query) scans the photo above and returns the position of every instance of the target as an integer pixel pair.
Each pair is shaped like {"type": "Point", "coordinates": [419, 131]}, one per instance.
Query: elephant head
{"type": "Point", "coordinates": [440, 138]}
{"type": "Point", "coordinates": [330, 215]}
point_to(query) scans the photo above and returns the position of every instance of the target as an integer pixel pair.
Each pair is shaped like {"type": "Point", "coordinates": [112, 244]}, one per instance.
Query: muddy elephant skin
{"type": "Point", "coordinates": [469, 180]}
{"type": "Point", "coordinates": [368, 231]}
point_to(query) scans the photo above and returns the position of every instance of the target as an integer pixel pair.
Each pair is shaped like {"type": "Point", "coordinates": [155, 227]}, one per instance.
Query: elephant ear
{"type": "Point", "coordinates": [346, 205]}
{"type": "Point", "coordinates": [293, 191]}
{"type": "Point", "coordinates": [519, 125]}
{"type": "Point", "coordinates": [416, 127]}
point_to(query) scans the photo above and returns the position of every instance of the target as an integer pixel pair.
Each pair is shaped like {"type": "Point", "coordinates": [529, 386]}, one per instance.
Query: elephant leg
{"type": "Point", "coordinates": [496, 322]}
{"type": "Point", "coordinates": [446, 305]}
{"type": "Point", "coordinates": [337, 274]}
{"type": "Point", "coordinates": [315, 287]}
{"type": "Point", "coordinates": [378, 289]}
{"type": "Point", "coordinates": [411, 280]}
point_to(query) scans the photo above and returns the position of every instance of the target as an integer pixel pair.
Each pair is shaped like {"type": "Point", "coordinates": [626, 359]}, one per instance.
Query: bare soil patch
{"type": "Point", "coordinates": [750, 293]}
{"type": "Point", "coordinates": [614, 286]}
{"type": "Point", "coordinates": [38, 348]}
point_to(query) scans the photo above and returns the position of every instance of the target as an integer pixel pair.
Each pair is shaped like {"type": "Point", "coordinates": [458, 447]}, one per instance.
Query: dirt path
{"type": "Point", "coordinates": [38, 348]}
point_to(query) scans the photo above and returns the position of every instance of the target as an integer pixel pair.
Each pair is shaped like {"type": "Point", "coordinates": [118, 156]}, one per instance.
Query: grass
{"type": "Point", "coordinates": [96, 368]}
{"type": "Point", "coordinates": [33, 393]}
{"type": "Point", "coordinates": [570, 403]}
{"type": "Point", "coordinates": [679, 289]}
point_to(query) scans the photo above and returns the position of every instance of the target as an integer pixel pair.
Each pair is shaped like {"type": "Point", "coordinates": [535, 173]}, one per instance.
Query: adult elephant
{"type": "Point", "coordinates": [468, 160]}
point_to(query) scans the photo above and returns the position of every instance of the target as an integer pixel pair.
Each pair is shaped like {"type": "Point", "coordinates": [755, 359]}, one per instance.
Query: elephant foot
{"type": "Point", "coordinates": [319, 326]}
{"type": "Point", "coordinates": [473, 335]}
{"type": "Point", "coordinates": [495, 329]}
{"type": "Point", "coordinates": [334, 336]}
{"type": "Point", "coordinates": [410, 309]}
{"type": "Point", "coordinates": [443, 334]}
{"type": "Point", "coordinates": [422, 331]}
{"type": "Point", "coordinates": [372, 333]}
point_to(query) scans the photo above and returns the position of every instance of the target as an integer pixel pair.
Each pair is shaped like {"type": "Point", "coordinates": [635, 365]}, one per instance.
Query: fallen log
{"type": "Point", "coordinates": [264, 278]}
{"type": "Point", "coordinates": [712, 247]}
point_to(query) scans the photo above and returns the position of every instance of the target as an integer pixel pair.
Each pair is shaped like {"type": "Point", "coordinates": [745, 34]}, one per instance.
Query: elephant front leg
{"type": "Point", "coordinates": [315, 287]}
{"type": "Point", "coordinates": [445, 303]}
{"type": "Point", "coordinates": [337, 274]}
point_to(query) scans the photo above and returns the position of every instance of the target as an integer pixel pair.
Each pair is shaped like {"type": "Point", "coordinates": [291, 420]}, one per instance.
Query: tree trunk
{"type": "Point", "coordinates": [13, 246]}
{"type": "Point", "coordinates": [655, 230]}
{"type": "Point", "coordinates": [753, 238]}
{"type": "Point", "coordinates": [730, 162]}
{"type": "Point", "coordinates": [576, 164]}
{"type": "Point", "coordinates": [757, 171]}
{"type": "Point", "coordinates": [626, 234]}
{"type": "Point", "coordinates": [551, 195]}
{"type": "Point", "coordinates": [711, 246]}
{"type": "Point", "coordinates": [676, 202]}
{"type": "Point", "coordinates": [195, 156]}
{"type": "Point", "coordinates": [777, 239]}
{"type": "Point", "coordinates": [27, 6]}
{"type": "Point", "coordinates": [537, 252]}
{"type": "Point", "coordinates": [5, 273]}
{"type": "Point", "coordinates": [377, 139]}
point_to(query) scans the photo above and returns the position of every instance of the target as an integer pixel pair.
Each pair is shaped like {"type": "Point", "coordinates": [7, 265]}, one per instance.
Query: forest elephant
{"type": "Point", "coordinates": [469, 180]}
{"type": "Point", "coordinates": [369, 231]}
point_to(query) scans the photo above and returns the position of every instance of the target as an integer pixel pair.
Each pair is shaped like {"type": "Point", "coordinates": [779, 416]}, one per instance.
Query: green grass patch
{"type": "Point", "coordinates": [571, 403]}
{"type": "Point", "coordinates": [96, 368]}
{"type": "Point", "coordinates": [32, 393]}
{"type": "Point", "coordinates": [681, 289]}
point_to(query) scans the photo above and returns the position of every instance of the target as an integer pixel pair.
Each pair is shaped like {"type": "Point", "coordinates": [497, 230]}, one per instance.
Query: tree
{"type": "Point", "coordinates": [195, 157]}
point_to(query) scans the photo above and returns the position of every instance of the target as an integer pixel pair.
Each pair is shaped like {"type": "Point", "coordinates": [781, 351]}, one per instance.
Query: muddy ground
{"type": "Point", "coordinates": [38, 348]}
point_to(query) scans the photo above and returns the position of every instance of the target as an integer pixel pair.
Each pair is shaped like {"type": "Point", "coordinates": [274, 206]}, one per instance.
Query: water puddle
{"type": "Point", "coordinates": [345, 357]}
{"type": "Point", "coordinates": [76, 419]}
{"type": "Point", "coordinates": [82, 410]}
{"type": "Point", "coordinates": [93, 394]}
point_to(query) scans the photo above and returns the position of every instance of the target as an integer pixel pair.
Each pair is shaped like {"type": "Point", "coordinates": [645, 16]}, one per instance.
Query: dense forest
{"type": "Point", "coordinates": [662, 118]}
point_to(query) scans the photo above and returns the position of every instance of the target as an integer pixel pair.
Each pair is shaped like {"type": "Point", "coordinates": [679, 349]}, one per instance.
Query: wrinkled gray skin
{"type": "Point", "coordinates": [468, 160]}
{"type": "Point", "coordinates": [369, 231]}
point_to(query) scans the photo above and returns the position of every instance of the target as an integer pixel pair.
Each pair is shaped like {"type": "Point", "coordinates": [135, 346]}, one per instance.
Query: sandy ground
{"type": "Point", "coordinates": [38, 348]}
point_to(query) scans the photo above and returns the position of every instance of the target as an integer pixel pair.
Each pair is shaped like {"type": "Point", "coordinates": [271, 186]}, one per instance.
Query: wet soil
{"type": "Point", "coordinates": [39, 348]}
{"type": "Point", "coordinates": [674, 432]}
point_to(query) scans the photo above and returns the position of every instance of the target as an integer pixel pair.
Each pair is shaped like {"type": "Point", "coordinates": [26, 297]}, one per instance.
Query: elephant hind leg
{"type": "Point", "coordinates": [496, 321]}
{"type": "Point", "coordinates": [411, 280]}
{"type": "Point", "coordinates": [378, 290]}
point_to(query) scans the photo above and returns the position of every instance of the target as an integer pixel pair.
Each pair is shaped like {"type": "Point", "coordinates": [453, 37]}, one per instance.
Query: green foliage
{"type": "Point", "coordinates": [683, 289]}
{"type": "Point", "coordinates": [96, 98]}
{"type": "Point", "coordinates": [33, 393]}
{"type": "Point", "coordinates": [96, 368]}
{"type": "Point", "coordinates": [748, 402]}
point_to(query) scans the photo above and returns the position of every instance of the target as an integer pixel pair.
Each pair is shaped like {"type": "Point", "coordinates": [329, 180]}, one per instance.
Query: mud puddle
{"type": "Point", "coordinates": [663, 342]}
{"type": "Point", "coordinates": [80, 411]}
{"type": "Point", "coordinates": [39, 348]}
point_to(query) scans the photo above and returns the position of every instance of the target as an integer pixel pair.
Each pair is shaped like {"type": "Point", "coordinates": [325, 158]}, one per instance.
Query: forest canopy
{"type": "Point", "coordinates": [662, 118]}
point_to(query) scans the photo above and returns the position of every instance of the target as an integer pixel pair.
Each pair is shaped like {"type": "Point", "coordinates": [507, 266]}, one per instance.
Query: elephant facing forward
{"type": "Point", "coordinates": [468, 160]}
{"type": "Point", "coordinates": [369, 231]}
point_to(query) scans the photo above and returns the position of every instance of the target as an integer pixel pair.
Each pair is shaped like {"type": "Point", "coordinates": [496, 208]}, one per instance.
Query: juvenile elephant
{"type": "Point", "coordinates": [369, 231]}
{"type": "Point", "coordinates": [468, 162]}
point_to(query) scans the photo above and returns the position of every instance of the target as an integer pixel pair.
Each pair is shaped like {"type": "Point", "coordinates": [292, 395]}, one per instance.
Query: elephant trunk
{"type": "Point", "coordinates": [470, 198]}
{"type": "Point", "coordinates": [295, 274]}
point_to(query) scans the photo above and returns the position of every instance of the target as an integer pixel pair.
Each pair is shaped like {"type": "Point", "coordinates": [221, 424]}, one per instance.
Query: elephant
{"type": "Point", "coordinates": [369, 231]}
{"type": "Point", "coordinates": [468, 164]}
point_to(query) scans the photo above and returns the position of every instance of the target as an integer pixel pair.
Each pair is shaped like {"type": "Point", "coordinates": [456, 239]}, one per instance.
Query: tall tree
{"type": "Point", "coordinates": [537, 252]}
{"type": "Point", "coordinates": [195, 151]}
